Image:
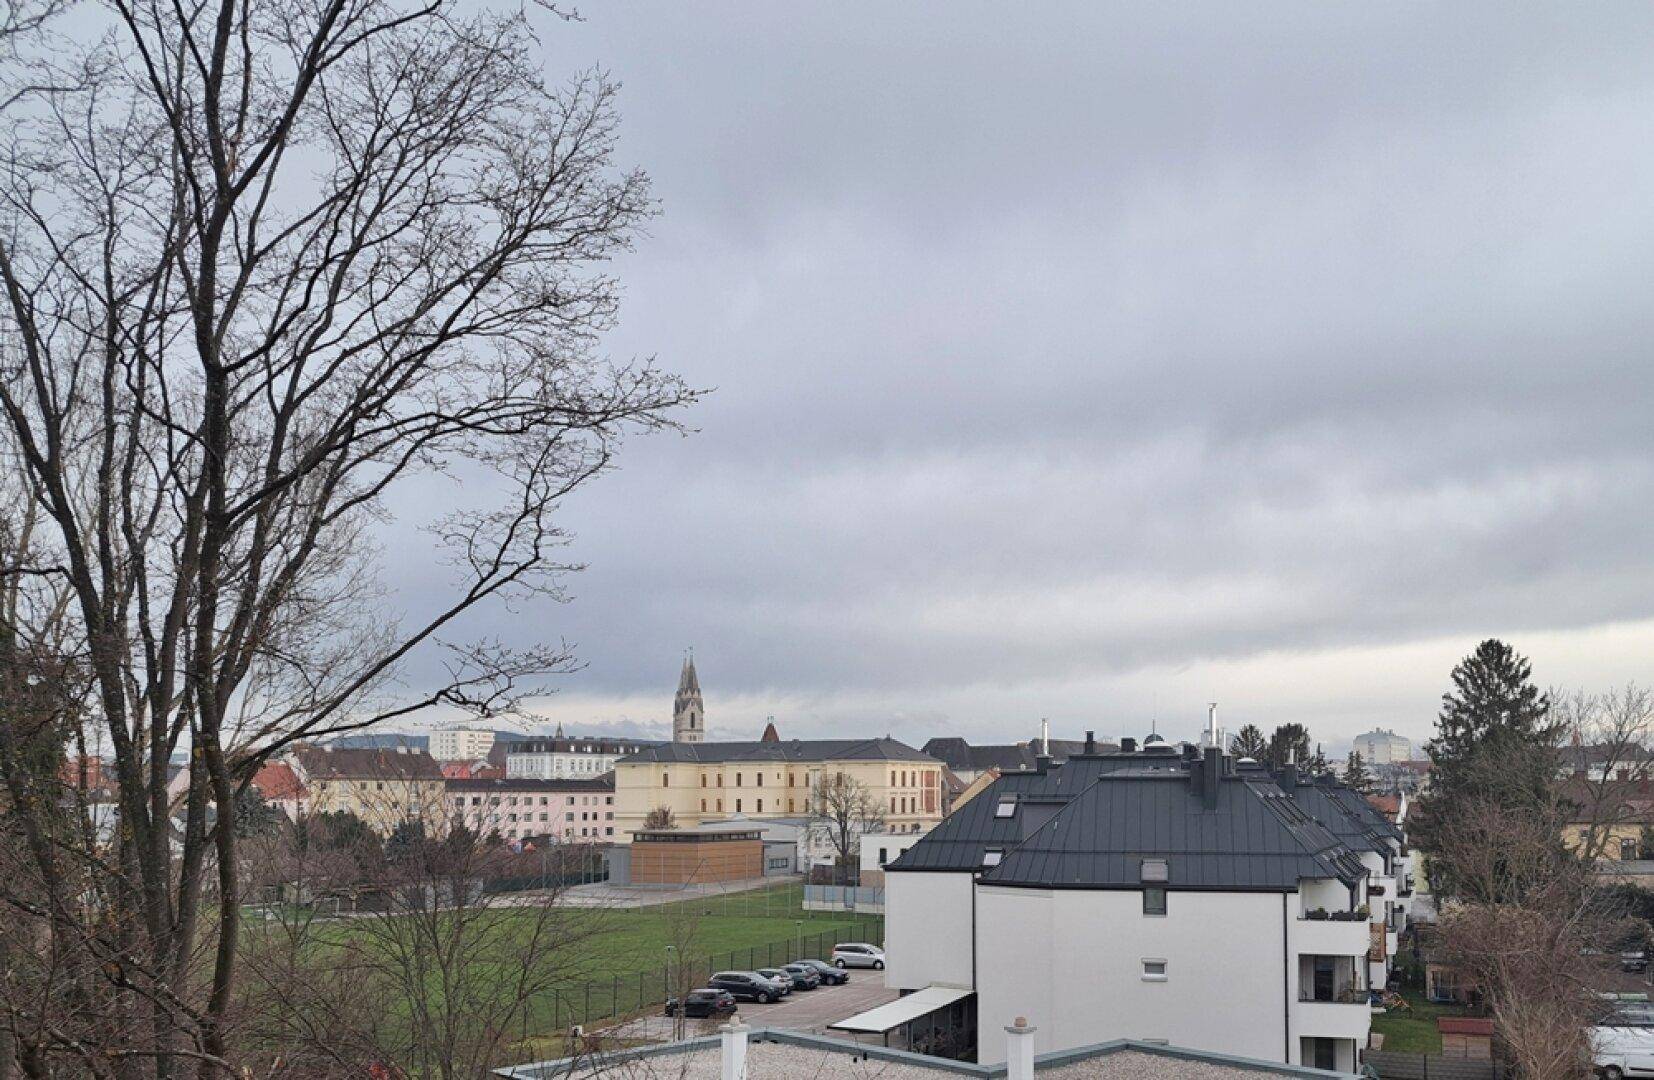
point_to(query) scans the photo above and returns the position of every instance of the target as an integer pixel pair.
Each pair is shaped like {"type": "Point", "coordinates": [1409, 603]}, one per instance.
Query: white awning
{"type": "Point", "coordinates": [892, 1015]}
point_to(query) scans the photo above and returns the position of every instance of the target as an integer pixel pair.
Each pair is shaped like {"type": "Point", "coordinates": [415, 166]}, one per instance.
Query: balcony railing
{"type": "Point", "coordinates": [1350, 995]}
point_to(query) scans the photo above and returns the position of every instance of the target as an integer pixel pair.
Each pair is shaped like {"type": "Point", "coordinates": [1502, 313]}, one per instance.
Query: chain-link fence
{"type": "Point", "coordinates": [627, 995]}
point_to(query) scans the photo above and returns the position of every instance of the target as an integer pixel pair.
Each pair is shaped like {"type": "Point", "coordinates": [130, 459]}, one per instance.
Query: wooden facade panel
{"type": "Point", "coordinates": [698, 861]}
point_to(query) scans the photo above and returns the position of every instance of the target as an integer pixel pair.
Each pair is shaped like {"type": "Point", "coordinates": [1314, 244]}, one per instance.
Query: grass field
{"type": "Point", "coordinates": [625, 970]}
{"type": "Point", "coordinates": [1414, 1030]}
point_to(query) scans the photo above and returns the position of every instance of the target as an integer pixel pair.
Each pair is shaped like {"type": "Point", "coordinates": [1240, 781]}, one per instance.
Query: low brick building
{"type": "Point", "coordinates": [696, 856]}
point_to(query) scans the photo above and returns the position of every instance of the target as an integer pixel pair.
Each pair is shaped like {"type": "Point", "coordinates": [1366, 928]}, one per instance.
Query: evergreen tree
{"type": "Point", "coordinates": [1355, 773]}
{"type": "Point", "coordinates": [1289, 741]}
{"type": "Point", "coordinates": [1493, 705]}
{"type": "Point", "coordinates": [254, 816]}
{"type": "Point", "coordinates": [1495, 745]}
{"type": "Point", "coordinates": [1249, 743]}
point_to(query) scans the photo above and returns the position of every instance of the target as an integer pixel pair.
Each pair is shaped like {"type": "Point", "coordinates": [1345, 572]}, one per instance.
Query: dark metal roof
{"type": "Point", "coordinates": [799, 750]}
{"type": "Point", "coordinates": [1091, 822]}
{"type": "Point", "coordinates": [956, 753]}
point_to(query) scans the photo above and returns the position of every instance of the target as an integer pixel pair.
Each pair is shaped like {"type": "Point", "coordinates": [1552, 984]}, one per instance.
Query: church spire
{"type": "Point", "coordinates": [688, 713]}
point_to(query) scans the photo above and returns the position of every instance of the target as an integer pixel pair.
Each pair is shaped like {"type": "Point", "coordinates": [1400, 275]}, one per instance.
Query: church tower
{"type": "Point", "coordinates": [688, 714]}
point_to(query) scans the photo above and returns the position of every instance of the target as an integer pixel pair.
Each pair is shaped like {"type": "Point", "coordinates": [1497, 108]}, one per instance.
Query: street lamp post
{"type": "Point", "coordinates": [800, 924]}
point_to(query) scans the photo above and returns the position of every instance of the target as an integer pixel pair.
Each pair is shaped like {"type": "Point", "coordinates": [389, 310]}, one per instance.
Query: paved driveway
{"type": "Point", "coordinates": [802, 1010]}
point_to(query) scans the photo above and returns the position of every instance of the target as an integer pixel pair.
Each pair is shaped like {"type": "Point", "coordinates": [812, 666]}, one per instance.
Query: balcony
{"type": "Point", "coordinates": [1329, 938]}
{"type": "Point", "coordinates": [1332, 1020]}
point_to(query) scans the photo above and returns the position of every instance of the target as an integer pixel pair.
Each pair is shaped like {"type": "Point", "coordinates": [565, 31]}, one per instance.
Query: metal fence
{"type": "Point", "coordinates": [868, 898]}
{"type": "Point", "coordinates": [627, 995]}
{"type": "Point", "coordinates": [1402, 1065]}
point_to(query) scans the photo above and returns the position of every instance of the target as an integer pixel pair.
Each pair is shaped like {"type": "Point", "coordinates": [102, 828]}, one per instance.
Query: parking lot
{"type": "Point", "coordinates": [802, 1010]}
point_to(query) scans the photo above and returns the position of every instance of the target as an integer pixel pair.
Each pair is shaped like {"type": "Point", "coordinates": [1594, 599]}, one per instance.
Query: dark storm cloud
{"type": "Point", "coordinates": [1088, 361]}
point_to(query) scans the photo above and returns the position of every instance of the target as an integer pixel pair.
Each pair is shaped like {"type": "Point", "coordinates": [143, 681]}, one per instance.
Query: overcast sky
{"type": "Point", "coordinates": [1097, 362]}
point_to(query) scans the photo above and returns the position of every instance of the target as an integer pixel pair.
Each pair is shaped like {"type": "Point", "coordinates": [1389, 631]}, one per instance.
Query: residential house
{"type": "Point", "coordinates": [1382, 747]}
{"type": "Point", "coordinates": [571, 811]}
{"type": "Point", "coordinates": [776, 778]}
{"type": "Point", "coordinates": [385, 788]}
{"type": "Point", "coordinates": [969, 762]}
{"type": "Point", "coordinates": [279, 785]}
{"type": "Point", "coordinates": [1163, 893]}
{"type": "Point", "coordinates": [878, 850]}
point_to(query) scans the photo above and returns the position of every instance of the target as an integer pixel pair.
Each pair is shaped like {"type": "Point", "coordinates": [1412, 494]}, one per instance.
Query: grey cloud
{"type": "Point", "coordinates": [1059, 351]}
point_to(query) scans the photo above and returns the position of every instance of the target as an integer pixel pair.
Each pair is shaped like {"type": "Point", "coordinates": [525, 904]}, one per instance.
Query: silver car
{"type": "Point", "coordinates": [858, 954]}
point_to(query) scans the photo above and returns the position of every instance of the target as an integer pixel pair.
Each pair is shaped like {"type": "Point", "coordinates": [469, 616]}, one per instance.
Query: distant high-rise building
{"type": "Point", "coordinates": [688, 713]}
{"type": "Point", "coordinates": [1381, 747]}
{"type": "Point", "coordinates": [460, 744]}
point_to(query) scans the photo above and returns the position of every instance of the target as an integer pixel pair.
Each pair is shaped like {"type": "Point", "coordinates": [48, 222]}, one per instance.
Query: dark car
{"type": "Point", "coordinates": [747, 986]}
{"type": "Point", "coordinates": [830, 975]}
{"type": "Point", "coordinates": [703, 1003]}
{"type": "Point", "coordinates": [776, 975]}
{"type": "Point", "coordinates": [1636, 961]}
{"type": "Point", "coordinates": [804, 976]}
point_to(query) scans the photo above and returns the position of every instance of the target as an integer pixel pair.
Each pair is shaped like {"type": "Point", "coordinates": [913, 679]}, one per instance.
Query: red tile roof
{"type": "Point", "coordinates": [1464, 1025]}
{"type": "Point", "coordinates": [278, 781]}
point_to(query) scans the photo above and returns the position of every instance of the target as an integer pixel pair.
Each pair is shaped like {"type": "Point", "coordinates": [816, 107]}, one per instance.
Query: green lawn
{"type": "Point", "coordinates": [1415, 1029]}
{"type": "Point", "coordinates": [625, 965]}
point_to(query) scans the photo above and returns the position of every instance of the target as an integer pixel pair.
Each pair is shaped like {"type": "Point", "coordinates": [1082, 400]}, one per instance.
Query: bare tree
{"type": "Point", "coordinates": [275, 262]}
{"type": "Point", "coordinates": [659, 817]}
{"type": "Point", "coordinates": [1525, 916]}
{"type": "Point", "coordinates": [845, 808]}
{"type": "Point", "coordinates": [1609, 763]}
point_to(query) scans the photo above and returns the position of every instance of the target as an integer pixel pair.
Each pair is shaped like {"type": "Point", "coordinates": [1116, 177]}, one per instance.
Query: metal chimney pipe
{"type": "Point", "coordinates": [1044, 737]}
{"type": "Point", "coordinates": [1212, 723]}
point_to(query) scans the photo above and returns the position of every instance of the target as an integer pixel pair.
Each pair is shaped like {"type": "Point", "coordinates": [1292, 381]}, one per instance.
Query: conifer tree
{"type": "Point", "coordinates": [1289, 741]}
{"type": "Point", "coordinates": [1493, 704]}
{"type": "Point", "coordinates": [1249, 743]}
{"type": "Point", "coordinates": [1355, 773]}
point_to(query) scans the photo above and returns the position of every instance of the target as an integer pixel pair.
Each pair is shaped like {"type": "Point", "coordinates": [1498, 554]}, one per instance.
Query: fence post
{"type": "Point", "coordinates": [614, 999]}
{"type": "Point", "coordinates": [586, 1013]}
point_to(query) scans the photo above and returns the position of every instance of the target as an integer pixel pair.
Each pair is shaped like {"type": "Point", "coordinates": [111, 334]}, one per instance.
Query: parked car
{"type": "Point", "coordinates": [747, 986]}
{"type": "Point", "coordinates": [830, 975]}
{"type": "Point", "coordinates": [703, 1003]}
{"type": "Point", "coordinates": [1619, 1052]}
{"type": "Point", "coordinates": [804, 976]}
{"type": "Point", "coordinates": [777, 975]}
{"type": "Point", "coordinates": [858, 954]}
{"type": "Point", "coordinates": [1636, 960]}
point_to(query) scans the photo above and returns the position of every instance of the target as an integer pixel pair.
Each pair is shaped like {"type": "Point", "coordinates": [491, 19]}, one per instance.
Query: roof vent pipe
{"type": "Point", "coordinates": [1019, 1050]}
{"type": "Point", "coordinates": [1044, 737]}
{"type": "Point", "coordinates": [1212, 724]}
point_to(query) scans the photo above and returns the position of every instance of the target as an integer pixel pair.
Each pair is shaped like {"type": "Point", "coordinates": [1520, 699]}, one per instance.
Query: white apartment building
{"type": "Point", "coordinates": [460, 744]}
{"type": "Point", "coordinates": [1381, 747]}
{"type": "Point", "coordinates": [1166, 893]}
{"type": "Point", "coordinates": [569, 811]}
{"type": "Point", "coordinates": [566, 757]}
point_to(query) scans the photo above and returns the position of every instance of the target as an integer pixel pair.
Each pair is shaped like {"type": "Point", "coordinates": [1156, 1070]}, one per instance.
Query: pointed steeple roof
{"type": "Point", "coordinates": [688, 681]}
{"type": "Point", "coordinates": [770, 734]}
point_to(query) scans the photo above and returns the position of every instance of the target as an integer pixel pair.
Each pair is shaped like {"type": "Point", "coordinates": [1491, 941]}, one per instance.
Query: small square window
{"type": "Point", "coordinates": [1154, 900]}
{"type": "Point", "coordinates": [1154, 970]}
{"type": "Point", "coordinates": [992, 856]}
{"type": "Point", "coordinates": [1006, 808]}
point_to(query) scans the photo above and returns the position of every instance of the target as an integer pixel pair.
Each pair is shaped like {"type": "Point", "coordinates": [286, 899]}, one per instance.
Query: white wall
{"type": "Point", "coordinates": [1071, 961]}
{"type": "Point", "coordinates": [927, 930]}
{"type": "Point", "coordinates": [892, 844]}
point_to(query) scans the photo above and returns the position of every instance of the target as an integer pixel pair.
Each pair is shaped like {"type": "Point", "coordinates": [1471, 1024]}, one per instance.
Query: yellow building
{"type": "Point", "coordinates": [775, 778]}
{"type": "Point", "coordinates": [385, 788]}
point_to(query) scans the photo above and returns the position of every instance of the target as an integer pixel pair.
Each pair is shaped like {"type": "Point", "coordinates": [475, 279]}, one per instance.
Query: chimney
{"type": "Point", "coordinates": [1289, 774]}
{"type": "Point", "coordinates": [1212, 724]}
{"type": "Point", "coordinates": [1091, 742]}
{"type": "Point", "coordinates": [1019, 1050]}
{"type": "Point", "coordinates": [1044, 737]}
{"type": "Point", "coordinates": [733, 1037]}
{"type": "Point", "coordinates": [1128, 745]}
{"type": "Point", "coordinates": [1211, 775]}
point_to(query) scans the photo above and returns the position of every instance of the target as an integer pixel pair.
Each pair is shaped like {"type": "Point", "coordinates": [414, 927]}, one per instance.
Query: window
{"type": "Point", "coordinates": [737, 779]}
{"type": "Point", "coordinates": [720, 779]}
{"type": "Point", "coordinates": [737, 804]}
{"type": "Point", "coordinates": [703, 779]}
{"type": "Point", "coordinates": [990, 857]}
{"type": "Point", "coordinates": [1628, 849]}
{"type": "Point", "coordinates": [760, 806]}
{"type": "Point", "coordinates": [1006, 808]}
{"type": "Point", "coordinates": [666, 780]}
{"type": "Point", "coordinates": [884, 856]}
{"type": "Point", "coordinates": [1154, 899]}
{"type": "Point", "coordinates": [760, 780]}
{"type": "Point", "coordinates": [1154, 970]}
{"type": "Point", "coordinates": [703, 806]}
{"type": "Point", "coordinates": [1154, 870]}
{"type": "Point", "coordinates": [720, 806]}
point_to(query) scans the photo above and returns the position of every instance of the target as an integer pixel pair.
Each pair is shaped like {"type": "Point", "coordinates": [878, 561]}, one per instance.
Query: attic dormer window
{"type": "Point", "coordinates": [991, 857]}
{"type": "Point", "coordinates": [1006, 808]}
